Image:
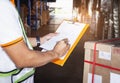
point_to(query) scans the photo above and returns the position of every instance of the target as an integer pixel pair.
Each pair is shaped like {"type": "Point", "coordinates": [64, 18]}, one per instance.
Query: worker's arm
{"type": "Point", "coordinates": [42, 39]}
{"type": "Point", "coordinates": [23, 57]}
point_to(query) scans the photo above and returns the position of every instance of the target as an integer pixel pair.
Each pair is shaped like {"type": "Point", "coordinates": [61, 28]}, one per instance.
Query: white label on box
{"type": "Point", "coordinates": [97, 78]}
{"type": "Point", "coordinates": [114, 78]}
{"type": "Point", "coordinates": [105, 55]}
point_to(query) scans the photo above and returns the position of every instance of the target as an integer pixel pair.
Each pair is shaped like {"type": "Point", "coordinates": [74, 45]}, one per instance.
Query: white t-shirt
{"type": "Point", "coordinates": [10, 33]}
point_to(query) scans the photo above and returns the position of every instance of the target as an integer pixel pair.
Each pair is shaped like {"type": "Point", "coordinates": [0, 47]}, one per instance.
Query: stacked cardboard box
{"type": "Point", "coordinates": [40, 9]}
{"type": "Point", "coordinates": [44, 13]}
{"type": "Point", "coordinates": [44, 17]}
{"type": "Point", "coordinates": [101, 63]}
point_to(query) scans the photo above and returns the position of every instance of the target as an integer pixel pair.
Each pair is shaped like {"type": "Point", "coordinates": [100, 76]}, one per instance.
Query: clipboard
{"type": "Point", "coordinates": [67, 29]}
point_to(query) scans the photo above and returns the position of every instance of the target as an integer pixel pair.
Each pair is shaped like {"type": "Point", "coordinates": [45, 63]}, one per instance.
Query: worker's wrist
{"type": "Point", "coordinates": [53, 54]}
{"type": "Point", "coordinates": [38, 40]}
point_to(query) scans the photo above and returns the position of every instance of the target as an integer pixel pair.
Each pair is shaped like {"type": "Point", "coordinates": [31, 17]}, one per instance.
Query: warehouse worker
{"type": "Point", "coordinates": [17, 58]}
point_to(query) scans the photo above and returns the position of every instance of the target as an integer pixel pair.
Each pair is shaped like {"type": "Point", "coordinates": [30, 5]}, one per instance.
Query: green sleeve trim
{"type": "Point", "coordinates": [25, 76]}
{"type": "Point", "coordinates": [5, 74]}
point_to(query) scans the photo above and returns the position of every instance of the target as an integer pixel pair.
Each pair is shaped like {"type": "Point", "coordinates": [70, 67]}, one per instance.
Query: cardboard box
{"type": "Point", "coordinates": [101, 61]}
{"type": "Point", "coordinates": [44, 18]}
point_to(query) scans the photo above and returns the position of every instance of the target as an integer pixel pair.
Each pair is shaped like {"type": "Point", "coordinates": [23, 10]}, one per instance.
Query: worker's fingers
{"type": "Point", "coordinates": [65, 40]}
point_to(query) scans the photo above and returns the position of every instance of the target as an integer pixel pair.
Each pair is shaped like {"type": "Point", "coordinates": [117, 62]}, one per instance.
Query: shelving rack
{"type": "Point", "coordinates": [34, 20]}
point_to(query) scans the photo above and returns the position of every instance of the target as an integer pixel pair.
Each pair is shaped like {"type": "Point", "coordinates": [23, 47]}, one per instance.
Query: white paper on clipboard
{"type": "Point", "coordinates": [66, 30]}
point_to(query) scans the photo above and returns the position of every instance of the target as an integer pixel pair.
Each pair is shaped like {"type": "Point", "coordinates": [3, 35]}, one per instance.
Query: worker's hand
{"type": "Point", "coordinates": [47, 37]}
{"type": "Point", "coordinates": [61, 47]}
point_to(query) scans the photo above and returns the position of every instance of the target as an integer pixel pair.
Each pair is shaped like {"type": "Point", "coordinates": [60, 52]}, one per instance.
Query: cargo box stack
{"type": "Point", "coordinates": [101, 62]}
